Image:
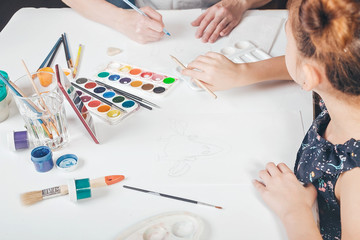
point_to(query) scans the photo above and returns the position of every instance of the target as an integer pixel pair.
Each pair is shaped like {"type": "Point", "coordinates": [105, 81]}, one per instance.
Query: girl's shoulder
{"type": "Point", "coordinates": [317, 156]}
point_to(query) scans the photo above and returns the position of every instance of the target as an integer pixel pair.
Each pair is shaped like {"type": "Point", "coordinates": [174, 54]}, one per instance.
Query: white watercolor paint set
{"type": "Point", "coordinates": [167, 226]}
{"type": "Point", "coordinates": [104, 102]}
{"type": "Point", "coordinates": [135, 79]}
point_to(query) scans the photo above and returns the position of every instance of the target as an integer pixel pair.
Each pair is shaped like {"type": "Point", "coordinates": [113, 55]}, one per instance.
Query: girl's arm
{"type": "Point", "coordinates": [137, 27]}
{"type": "Point", "coordinates": [290, 200]}
{"type": "Point", "coordinates": [219, 73]}
{"type": "Point", "coordinates": [347, 190]}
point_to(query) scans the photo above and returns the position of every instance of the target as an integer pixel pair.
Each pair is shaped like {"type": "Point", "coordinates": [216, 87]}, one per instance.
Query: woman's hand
{"type": "Point", "coordinates": [140, 28]}
{"type": "Point", "coordinates": [218, 20]}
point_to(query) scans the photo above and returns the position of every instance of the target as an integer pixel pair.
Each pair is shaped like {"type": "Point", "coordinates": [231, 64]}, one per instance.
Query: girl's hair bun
{"type": "Point", "coordinates": [331, 24]}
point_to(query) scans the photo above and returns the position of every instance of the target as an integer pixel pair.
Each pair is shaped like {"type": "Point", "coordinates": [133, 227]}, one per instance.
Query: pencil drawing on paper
{"type": "Point", "coordinates": [181, 149]}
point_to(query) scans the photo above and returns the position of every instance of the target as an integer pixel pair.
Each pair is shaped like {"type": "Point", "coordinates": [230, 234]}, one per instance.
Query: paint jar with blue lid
{"type": "Point", "coordinates": [42, 158]}
{"type": "Point", "coordinates": [67, 162]}
{"type": "Point", "coordinates": [18, 140]}
{"type": "Point", "coordinates": [4, 108]}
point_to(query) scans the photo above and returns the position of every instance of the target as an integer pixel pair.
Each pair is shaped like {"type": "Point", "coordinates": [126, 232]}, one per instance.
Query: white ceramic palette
{"type": "Point", "coordinates": [104, 102]}
{"type": "Point", "coordinates": [136, 79]}
{"type": "Point", "coordinates": [241, 52]}
{"type": "Point", "coordinates": [168, 226]}
{"type": "Point", "coordinates": [244, 52]}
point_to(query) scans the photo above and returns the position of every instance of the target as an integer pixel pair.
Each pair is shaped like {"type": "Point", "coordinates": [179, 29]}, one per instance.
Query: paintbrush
{"type": "Point", "coordinates": [135, 98]}
{"type": "Point", "coordinates": [172, 197]}
{"type": "Point", "coordinates": [127, 94]}
{"type": "Point", "coordinates": [66, 52]}
{"type": "Point", "coordinates": [52, 117]}
{"type": "Point", "coordinates": [30, 198]}
{"type": "Point", "coordinates": [142, 13]}
{"type": "Point", "coordinates": [196, 80]}
{"type": "Point", "coordinates": [31, 105]}
{"type": "Point", "coordinates": [35, 108]}
{"type": "Point", "coordinates": [98, 97]}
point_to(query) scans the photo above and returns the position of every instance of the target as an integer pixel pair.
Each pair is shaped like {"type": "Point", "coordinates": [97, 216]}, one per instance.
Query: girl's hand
{"type": "Point", "coordinates": [283, 193]}
{"type": "Point", "coordinates": [218, 72]}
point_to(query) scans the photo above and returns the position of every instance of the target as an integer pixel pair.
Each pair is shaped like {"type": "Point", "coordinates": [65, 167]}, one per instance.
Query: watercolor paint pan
{"type": "Point", "coordinates": [105, 103]}
{"type": "Point", "coordinates": [135, 79]}
{"type": "Point", "coordinates": [240, 52]}
{"type": "Point", "coordinates": [104, 111]}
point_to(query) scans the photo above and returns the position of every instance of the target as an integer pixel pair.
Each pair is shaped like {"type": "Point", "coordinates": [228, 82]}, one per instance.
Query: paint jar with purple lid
{"type": "Point", "coordinates": [42, 158]}
{"type": "Point", "coordinates": [18, 140]}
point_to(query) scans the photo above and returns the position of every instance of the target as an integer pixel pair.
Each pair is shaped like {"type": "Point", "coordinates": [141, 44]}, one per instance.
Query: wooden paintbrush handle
{"type": "Point", "coordinates": [105, 181]}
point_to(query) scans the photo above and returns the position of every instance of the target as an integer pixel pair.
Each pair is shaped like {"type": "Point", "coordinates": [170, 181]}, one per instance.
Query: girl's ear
{"type": "Point", "coordinates": [312, 77]}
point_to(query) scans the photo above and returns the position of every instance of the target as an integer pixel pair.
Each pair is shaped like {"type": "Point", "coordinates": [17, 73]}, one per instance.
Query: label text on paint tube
{"type": "Point", "coordinates": [51, 192]}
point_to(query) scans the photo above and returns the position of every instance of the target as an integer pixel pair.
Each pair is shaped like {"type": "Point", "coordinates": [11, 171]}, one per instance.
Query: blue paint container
{"type": "Point", "coordinates": [42, 159]}
{"type": "Point", "coordinates": [67, 162]}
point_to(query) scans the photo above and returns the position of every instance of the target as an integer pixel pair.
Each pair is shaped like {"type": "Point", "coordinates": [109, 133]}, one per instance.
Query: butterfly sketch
{"type": "Point", "coordinates": [181, 149]}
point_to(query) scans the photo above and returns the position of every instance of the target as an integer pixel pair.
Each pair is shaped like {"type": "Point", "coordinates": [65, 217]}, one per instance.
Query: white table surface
{"type": "Point", "coordinates": [30, 35]}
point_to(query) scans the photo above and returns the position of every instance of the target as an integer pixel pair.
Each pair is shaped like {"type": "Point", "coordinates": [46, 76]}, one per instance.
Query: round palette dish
{"type": "Point", "coordinates": [167, 226]}
{"type": "Point", "coordinates": [67, 162]}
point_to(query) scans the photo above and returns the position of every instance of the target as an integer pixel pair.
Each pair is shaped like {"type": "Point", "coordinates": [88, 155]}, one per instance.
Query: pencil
{"type": "Point", "coordinates": [196, 80]}
{"type": "Point", "coordinates": [98, 97]}
{"type": "Point", "coordinates": [170, 196]}
{"type": "Point", "coordinates": [54, 53]}
{"type": "Point", "coordinates": [142, 13]}
{"type": "Point", "coordinates": [135, 98]}
{"type": "Point", "coordinates": [77, 61]}
{"type": "Point", "coordinates": [57, 44]}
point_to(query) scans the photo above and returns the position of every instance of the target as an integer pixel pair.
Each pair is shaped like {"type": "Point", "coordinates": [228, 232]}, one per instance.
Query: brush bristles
{"type": "Point", "coordinates": [30, 198]}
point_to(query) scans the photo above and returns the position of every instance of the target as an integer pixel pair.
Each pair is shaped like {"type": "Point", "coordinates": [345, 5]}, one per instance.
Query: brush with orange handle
{"type": "Point", "coordinates": [77, 189]}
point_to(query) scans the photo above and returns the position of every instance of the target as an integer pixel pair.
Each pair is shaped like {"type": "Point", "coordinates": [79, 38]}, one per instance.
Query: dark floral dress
{"type": "Point", "coordinates": [320, 162]}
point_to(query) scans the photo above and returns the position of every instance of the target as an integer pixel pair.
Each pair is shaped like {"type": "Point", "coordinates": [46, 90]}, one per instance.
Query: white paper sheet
{"type": "Point", "coordinates": [213, 148]}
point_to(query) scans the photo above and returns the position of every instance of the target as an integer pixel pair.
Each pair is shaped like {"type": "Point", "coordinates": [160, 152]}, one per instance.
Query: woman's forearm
{"type": "Point", "coordinates": [99, 11]}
